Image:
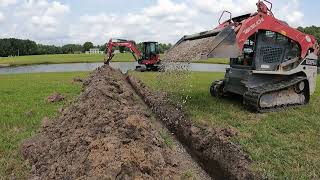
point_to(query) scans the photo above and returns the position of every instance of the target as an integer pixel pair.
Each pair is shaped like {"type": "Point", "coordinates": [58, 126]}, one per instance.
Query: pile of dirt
{"type": "Point", "coordinates": [189, 51]}
{"type": "Point", "coordinates": [105, 134]}
{"type": "Point", "coordinates": [218, 155]}
{"type": "Point", "coordinates": [55, 97]}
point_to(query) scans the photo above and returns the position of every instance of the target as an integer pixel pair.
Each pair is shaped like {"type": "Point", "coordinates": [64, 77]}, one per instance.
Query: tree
{"type": "Point", "coordinates": [313, 30]}
{"type": "Point", "coordinates": [87, 46]}
{"type": "Point", "coordinates": [72, 48]}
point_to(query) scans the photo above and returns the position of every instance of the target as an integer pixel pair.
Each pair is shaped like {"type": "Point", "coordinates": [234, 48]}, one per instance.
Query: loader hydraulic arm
{"type": "Point", "coordinates": [121, 43]}
{"type": "Point", "coordinates": [265, 20]}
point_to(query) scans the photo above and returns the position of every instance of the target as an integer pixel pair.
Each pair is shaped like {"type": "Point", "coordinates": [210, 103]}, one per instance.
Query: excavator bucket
{"type": "Point", "coordinates": [217, 43]}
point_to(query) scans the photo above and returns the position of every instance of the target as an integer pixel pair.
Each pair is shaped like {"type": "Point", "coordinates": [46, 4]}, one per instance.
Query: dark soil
{"type": "Point", "coordinates": [55, 97]}
{"type": "Point", "coordinates": [105, 134]}
{"type": "Point", "coordinates": [218, 155]}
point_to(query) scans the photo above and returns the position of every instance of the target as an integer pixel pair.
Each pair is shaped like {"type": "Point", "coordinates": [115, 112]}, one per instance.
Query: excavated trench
{"type": "Point", "coordinates": [110, 132]}
{"type": "Point", "coordinates": [220, 157]}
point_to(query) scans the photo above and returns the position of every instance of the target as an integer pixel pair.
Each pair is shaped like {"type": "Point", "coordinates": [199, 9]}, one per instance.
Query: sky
{"type": "Point", "coordinates": [77, 21]}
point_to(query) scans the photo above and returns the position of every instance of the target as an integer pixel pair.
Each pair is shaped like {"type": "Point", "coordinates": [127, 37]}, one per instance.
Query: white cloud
{"type": "Point", "coordinates": [291, 13]}
{"type": "Point", "coordinates": [5, 3]}
{"type": "Point", "coordinates": [48, 21]}
{"type": "Point", "coordinates": [42, 18]}
{"type": "Point", "coordinates": [56, 8]}
{"type": "Point", "coordinates": [217, 6]}
{"type": "Point", "coordinates": [2, 18]}
{"type": "Point", "coordinates": [164, 21]}
{"type": "Point", "coordinates": [165, 8]}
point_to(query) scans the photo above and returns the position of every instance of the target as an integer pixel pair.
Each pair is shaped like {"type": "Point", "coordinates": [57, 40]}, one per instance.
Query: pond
{"type": "Point", "coordinates": [123, 66]}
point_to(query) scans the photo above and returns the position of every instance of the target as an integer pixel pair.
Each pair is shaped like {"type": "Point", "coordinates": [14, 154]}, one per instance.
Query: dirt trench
{"type": "Point", "coordinates": [212, 148]}
{"type": "Point", "coordinates": [107, 133]}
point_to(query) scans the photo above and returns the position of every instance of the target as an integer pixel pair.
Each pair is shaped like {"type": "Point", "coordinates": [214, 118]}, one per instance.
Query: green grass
{"type": "Point", "coordinates": [214, 61]}
{"type": "Point", "coordinates": [80, 58]}
{"type": "Point", "coordinates": [62, 58]}
{"type": "Point", "coordinates": [22, 107]}
{"type": "Point", "coordinates": [166, 138]}
{"type": "Point", "coordinates": [283, 145]}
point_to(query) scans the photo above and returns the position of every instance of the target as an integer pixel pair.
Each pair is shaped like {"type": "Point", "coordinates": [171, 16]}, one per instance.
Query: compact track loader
{"type": "Point", "coordinates": [272, 65]}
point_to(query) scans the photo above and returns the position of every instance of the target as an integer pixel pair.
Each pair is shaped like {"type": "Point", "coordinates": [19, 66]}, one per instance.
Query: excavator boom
{"type": "Point", "coordinates": [121, 43]}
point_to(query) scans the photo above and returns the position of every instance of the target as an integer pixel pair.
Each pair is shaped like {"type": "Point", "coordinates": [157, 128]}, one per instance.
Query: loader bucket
{"type": "Point", "coordinates": [216, 43]}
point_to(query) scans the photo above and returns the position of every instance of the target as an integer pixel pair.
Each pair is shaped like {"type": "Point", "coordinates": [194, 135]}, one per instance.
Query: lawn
{"type": "Point", "coordinates": [283, 145]}
{"type": "Point", "coordinates": [214, 61]}
{"type": "Point", "coordinates": [80, 58]}
{"type": "Point", "coordinates": [22, 107]}
{"type": "Point", "coordinates": [62, 58]}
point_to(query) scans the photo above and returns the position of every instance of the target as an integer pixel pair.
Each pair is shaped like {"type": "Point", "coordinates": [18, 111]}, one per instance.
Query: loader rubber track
{"type": "Point", "coordinates": [252, 97]}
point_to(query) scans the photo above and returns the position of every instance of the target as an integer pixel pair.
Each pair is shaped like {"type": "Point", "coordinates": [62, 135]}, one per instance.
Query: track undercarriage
{"type": "Point", "coordinates": [271, 97]}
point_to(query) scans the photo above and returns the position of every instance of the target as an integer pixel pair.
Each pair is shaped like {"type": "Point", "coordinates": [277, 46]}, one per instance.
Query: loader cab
{"type": "Point", "coordinates": [150, 49]}
{"type": "Point", "coordinates": [265, 51]}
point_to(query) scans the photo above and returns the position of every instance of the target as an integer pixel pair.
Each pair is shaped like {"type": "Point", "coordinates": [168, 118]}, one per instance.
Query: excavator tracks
{"type": "Point", "coordinates": [252, 98]}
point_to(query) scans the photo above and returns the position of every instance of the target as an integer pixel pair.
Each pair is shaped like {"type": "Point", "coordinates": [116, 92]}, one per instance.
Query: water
{"type": "Point", "coordinates": [123, 66]}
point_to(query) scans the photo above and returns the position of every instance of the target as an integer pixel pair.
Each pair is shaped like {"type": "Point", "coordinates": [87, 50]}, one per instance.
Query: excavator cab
{"type": "Point", "coordinates": [150, 49]}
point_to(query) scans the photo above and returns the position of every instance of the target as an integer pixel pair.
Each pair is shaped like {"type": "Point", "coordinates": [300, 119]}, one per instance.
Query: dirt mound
{"type": "Point", "coordinates": [105, 134]}
{"type": "Point", "coordinates": [189, 51]}
{"type": "Point", "coordinates": [55, 97]}
{"type": "Point", "coordinates": [218, 155]}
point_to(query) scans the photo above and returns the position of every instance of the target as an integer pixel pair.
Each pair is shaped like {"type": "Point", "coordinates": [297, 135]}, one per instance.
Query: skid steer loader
{"type": "Point", "coordinates": [272, 65]}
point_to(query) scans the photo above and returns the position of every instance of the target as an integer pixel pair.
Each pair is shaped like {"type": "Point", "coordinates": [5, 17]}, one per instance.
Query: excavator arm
{"type": "Point", "coordinates": [121, 43]}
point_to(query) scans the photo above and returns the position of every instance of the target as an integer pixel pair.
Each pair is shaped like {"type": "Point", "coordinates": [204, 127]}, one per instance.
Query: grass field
{"type": "Point", "coordinates": [61, 58]}
{"type": "Point", "coordinates": [79, 58]}
{"type": "Point", "coordinates": [214, 61]}
{"type": "Point", "coordinates": [283, 145]}
{"type": "Point", "coordinates": [22, 107]}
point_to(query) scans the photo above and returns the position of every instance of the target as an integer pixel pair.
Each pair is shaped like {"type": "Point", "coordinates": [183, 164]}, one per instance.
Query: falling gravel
{"type": "Point", "coordinates": [107, 133]}
{"type": "Point", "coordinates": [189, 51]}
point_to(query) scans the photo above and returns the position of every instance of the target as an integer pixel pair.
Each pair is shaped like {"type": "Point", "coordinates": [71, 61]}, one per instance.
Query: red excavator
{"type": "Point", "coordinates": [272, 65]}
{"type": "Point", "coordinates": [148, 60]}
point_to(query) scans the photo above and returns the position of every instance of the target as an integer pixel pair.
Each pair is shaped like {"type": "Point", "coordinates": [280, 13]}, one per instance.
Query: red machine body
{"type": "Point", "coordinates": [149, 58]}
{"type": "Point", "coordinates": [247, 25]}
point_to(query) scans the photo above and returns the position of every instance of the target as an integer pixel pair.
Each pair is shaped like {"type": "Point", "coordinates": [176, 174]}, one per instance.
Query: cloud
{"type": "Point", "coordinates": [163, 21]}
{"type": "Point", "coordinates": [47, 23]}
{"type": "Point", "coordinates": [217, 6]}
{"type": "Point", "coordinates": [57, 22]}
{"type": "Point", "coordinates": [2, 18]}
{"type": "Point", "coordinates": [41, 16]}
{"type": "Point", "coordinates": [166, 7]}
{"type": "Point", "coordinates": [5, 3]}
{"type": "Point", "coordinates": [56, 9]}
{"type": "Point", "coordinates": [291, 13]}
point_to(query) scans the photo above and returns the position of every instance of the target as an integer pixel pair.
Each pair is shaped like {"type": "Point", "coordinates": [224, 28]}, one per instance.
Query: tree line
{"type": "Point", "coordinates": [315, 31]}
{"type": "Point", "coordinates": [19, 47]}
